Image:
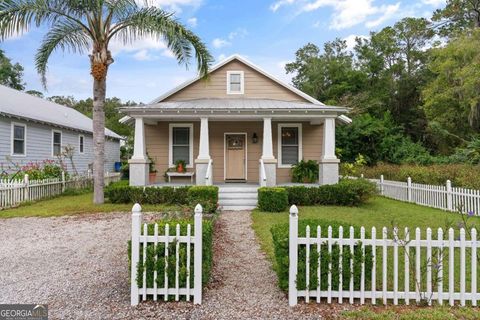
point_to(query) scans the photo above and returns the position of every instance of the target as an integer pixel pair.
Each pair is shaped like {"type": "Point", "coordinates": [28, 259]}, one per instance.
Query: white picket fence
{"type": "Point", "coordinates": [442, 197]}
{"type": "Point", "coordinates": [14, 192]}
{"type": "Point", "coordinates": [435, 262]}
{"type": "Point", "coordinates": [143, 241]}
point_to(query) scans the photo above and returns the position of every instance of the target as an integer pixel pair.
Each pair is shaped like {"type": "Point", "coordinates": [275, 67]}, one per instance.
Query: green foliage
{"type": "Point", "coordinates": [280, 235]}
{"type": "Point", "coordinates": [351, 169]}
{"type": "Point", "coordinates": [10, 74]}
{"type": "Point", "coordinates": [151, 266]}
{"type": "Point", "coordinates": [272, 199]}
{"type": "Point", "coordinates": [467, 176]}
{"type": "Point", "coordinates": [207, 196]}
{"type": "Point", "coordinates": [305, 171]}
{"type": "Point", "coordinates": [347, 192]}
{"type": "Point", "coordinates": [458, 16]}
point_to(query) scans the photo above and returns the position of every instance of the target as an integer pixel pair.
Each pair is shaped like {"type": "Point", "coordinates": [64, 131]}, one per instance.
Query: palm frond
{"type": "Point", "coordinates": [160, 25]}
{"type": "Point", "coordinates": [66, 36]}
{"type": "Point", "coordinates": [16, 16]}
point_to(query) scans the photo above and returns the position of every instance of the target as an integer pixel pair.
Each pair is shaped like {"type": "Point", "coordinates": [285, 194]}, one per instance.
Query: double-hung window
{"type": "Point", "coordinates": [235, 82]}
{"type": "Point", "coordinates": [56, 143]}
{"type": "Point", "coordinates": [289, 144]}
{"type": "Point", "coordinates": [19, 137]}
{"type": "Point", "coordinates": [81, 144]}
{"type": "Point", "coordinates": [181, 143]}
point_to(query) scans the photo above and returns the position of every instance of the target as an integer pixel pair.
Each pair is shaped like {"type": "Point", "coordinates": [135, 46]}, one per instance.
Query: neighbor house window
{"type": "Point", "coordinates": [19, 134]}
{"type": "Point", "coordinates": [56, 143]}
{"type": "Point", "coordinates": [181, 143]}
{"type": "Point", "coordinates": [81, 143]}
{"type": "Point", "coordinates": [235, 82]}
{"type": "Point", "coordinates": [289, 144]}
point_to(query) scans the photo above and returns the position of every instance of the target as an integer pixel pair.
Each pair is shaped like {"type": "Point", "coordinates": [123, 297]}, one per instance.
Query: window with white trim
{"type": "Point", "coordinates": [56, 143]}
{"type": "Point", "coordinates": [19, 138]}
{"type": "Point", "coordinates": [81, 144]}
{"type": "Point", "coordinates": [181, 143]}
{"type": "Point", "coordinates": [235, 82]}
{"type": "Point", "coordinates": [289, 144]}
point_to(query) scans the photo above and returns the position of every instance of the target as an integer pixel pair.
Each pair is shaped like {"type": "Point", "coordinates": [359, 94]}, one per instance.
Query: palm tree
{"type": "Point", "coordinates": [81, 26]}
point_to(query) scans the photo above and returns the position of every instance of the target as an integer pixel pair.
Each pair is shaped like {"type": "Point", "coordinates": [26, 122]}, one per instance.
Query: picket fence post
{"type": "Point", "coordinates": [197, 264]}
{"type": "Point", "coordinates": [449, 196]}
{"type": "Point", "coordinates": [381, 184]}
{"type": "Point", "coordinates": [409, 189]}
{"type": "Point", "coordinates": [136, 225]}
{"type": "Point", "coordinates": [26, 194]}
{"type": "Point", "coordinates": [293, 256]}
{"type": "Point", "coordinates": [63, 181]}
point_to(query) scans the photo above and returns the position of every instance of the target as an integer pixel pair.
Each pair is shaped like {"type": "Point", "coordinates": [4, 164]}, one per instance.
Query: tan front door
{"type": "Point", "coordinates": [235, 156]}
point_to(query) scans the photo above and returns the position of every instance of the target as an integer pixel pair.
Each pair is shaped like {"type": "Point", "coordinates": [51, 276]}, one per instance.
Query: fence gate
{"type": "Point", "coordinates": [395, 266]}
{"type": "Point", "coordinates": [161, 260]}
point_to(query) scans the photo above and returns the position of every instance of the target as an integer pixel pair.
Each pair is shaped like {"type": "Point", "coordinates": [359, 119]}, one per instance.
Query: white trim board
{"type": "Point", "coordinates": [279, 142]}
{"type": "Point", "coordinates": [251, 65]}
{"type": "Point", "coordinates": [170, 143]}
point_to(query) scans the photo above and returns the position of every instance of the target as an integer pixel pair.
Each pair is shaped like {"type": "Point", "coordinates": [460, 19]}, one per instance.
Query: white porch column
{"type": "Point", "coordinates": [203, 159]}
{"type": "Point", "coordinates": [328, 173]}
{"type": "Point", "coordinates": [269, 161]}
{"type": "Point", "coordinates": [139, 162]}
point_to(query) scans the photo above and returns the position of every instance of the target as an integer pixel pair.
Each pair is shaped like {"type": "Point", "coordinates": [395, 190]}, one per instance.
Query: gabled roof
{"type": "Point", "coordinates": [249, 64]}
{"type": "Point", "coordinates": [23, 105]}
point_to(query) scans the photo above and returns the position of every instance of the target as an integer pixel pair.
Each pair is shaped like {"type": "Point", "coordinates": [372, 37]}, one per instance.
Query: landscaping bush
{"type": "Point", "coordinates": [272, 199]}
{"type": "Point", "coordinates": [207, 196]}
{"type": "Point", "coordinates": [207, 251]}
{"type": "Point", "coordinates": [345, 193]}
{"type": "Point", "coordinates": [461, 175]}
{"type": "Point", "coordinates": [280, 235]}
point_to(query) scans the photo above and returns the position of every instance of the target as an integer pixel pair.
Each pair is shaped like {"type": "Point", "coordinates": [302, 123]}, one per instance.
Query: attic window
{"type": "Point", "coordinates": [235, 82]}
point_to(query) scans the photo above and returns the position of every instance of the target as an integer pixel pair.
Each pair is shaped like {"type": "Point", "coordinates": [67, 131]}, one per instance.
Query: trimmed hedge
{"type": "Point", "coordinates": [280, 235]}
{"type": "Point", "coordinates": [207, 251]}
{"type": "Point", "coordinates": [272, 199]}
{"type": "Point", "coordinates": [207, 196]}
{"type": "Point", "coordinates": [347, 192]}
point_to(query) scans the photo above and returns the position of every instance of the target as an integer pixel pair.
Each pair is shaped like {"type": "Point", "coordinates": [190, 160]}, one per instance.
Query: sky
{"type": "Point", "coordinates": [266, 32]}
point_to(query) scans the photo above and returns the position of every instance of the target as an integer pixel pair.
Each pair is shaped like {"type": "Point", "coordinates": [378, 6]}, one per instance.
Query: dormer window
{"type": "Point", "coordinates": [235, 82]}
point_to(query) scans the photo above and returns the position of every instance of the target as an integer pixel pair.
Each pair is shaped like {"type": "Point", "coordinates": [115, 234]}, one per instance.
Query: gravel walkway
{"type": "Point", "coordinates": [78, 265]}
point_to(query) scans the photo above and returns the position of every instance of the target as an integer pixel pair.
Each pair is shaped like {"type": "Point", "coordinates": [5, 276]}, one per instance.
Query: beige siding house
{"type": "Point", "coordinates": [241, 125]}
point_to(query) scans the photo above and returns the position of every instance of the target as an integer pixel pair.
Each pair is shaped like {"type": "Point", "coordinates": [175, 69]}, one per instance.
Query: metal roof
{"type": "Point", "coordinates": [23, 105]}
{"type": "Point", "coordinates": [236, 103]}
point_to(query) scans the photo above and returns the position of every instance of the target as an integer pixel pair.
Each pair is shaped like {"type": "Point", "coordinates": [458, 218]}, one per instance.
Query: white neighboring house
{"type": "Point", "coordinates": [33, 129]}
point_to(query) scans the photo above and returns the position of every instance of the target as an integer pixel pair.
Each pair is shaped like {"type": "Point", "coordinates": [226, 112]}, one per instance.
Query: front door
{"type": "Point", "coordinates": [235, 157]}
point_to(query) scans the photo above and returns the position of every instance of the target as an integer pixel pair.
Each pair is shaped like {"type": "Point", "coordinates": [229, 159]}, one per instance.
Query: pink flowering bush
{"type": "Point", "coordinates": [42, 170]}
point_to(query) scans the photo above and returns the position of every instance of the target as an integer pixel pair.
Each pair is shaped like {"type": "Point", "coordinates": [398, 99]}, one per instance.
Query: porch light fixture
{"type": "Point", "coordinates": [254, 138]}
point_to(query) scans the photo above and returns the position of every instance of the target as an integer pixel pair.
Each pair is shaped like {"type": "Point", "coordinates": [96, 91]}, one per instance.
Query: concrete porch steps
{"type": "Point", "coordinates": [237, 197]}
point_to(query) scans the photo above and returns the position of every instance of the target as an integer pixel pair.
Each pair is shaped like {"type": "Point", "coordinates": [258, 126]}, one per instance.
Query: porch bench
{"type": "Point", "coordinates": [180, 174]}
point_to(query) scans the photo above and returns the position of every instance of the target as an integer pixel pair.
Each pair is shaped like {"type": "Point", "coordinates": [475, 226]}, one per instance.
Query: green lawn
{"type": "Point", "coordinates": [379, 212]}
{"type": "Point", "coordinates": [74, 204]}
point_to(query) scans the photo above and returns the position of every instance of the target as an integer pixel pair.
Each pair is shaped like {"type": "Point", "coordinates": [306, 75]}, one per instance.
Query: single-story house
{"type": "Point", "coordinates": [33, 129]}
{"type": "Point", "coordinates": [240, 125]}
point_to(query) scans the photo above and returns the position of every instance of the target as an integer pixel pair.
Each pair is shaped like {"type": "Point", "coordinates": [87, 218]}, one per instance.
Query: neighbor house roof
{"type": "Point", "coordinates": [19, 104]}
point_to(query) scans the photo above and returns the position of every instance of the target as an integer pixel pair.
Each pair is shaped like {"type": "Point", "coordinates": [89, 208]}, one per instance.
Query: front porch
{"type": "Point", "coordinates": [219, 150]}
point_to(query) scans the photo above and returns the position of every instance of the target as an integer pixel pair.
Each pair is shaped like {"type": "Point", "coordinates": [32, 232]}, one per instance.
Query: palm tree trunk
{"type": "Point", "coordinates": [99, 89]}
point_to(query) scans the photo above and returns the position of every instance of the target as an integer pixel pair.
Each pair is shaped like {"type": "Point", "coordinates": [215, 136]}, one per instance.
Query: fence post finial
{"type": "Point", "coordinates": [198, 209]}
{"type": "Point", "coordinates": [136, 226]}
{"type": "Point", "coordinates": [293, 210]}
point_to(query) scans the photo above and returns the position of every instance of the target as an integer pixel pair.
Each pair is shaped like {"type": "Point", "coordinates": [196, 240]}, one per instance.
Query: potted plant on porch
{"type": "Point", "coordinates": [305, 171]}
{"type": "Point", "coordinates": [180, 166]}
{"type": "Point", "coordinates": [152, 176]}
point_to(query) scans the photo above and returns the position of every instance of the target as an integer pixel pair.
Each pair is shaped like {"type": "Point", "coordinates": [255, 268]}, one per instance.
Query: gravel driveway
{"type": "Point", "coordinates": [79, 266]}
